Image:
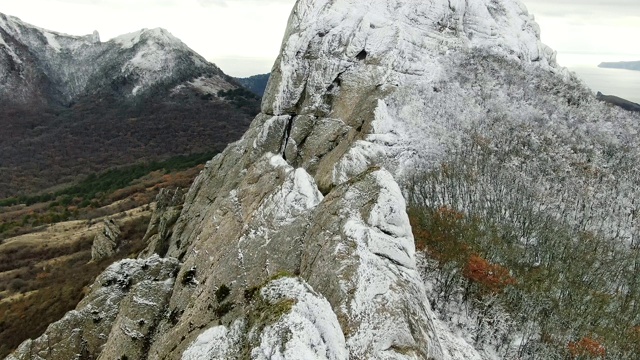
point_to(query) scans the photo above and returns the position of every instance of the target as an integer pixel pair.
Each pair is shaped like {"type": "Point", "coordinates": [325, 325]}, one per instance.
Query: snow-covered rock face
{"type": "Point", "coordinates": [38, 63]}
{"type": "Point", "coordinates": [348, 66]}
{"type": "Point", "coordinates": [378, 42]}
{"type": "Point", "coordinates": [129, 296]}
{"type": "Point", "coordinates": [306, 211]}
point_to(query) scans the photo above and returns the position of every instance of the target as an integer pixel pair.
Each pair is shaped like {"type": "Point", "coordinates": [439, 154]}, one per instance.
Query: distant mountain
{"type": "Point", "coordinates": [618, 101]}
{"type": "Point", "coordinates": [72, 105]}
{"type": "Point", "coordinates": [256, 83]}
{"type": "Point", "coordinates": [628, 65]}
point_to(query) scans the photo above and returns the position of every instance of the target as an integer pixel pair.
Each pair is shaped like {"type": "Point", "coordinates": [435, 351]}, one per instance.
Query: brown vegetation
{"type": "Point", "coordinates": [46, 146]}
{"type": "Point", "coordinates": [46, 281]}
{"type": "Point", "coordinates": [44, 272]}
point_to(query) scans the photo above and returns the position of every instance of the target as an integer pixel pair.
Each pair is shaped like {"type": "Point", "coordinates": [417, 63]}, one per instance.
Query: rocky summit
{"type": "Point", "coordinates": [295, 243]}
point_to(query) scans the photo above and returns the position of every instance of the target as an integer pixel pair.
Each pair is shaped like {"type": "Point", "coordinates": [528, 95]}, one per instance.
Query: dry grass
{"type": "Point", "coordinates": [46, 273]}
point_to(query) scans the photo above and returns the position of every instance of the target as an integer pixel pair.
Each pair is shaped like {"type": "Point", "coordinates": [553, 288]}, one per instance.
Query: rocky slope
{"type": "Point", "coordinates": [74, 105]}
{"type": "Point", "coordinates": [294, 243]}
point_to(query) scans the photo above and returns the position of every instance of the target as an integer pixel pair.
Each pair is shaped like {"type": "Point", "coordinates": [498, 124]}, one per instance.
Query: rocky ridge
{"type": "Point", "coordinates": [42, 65]}
{"type": "Point", "coordinates": [294, 243]}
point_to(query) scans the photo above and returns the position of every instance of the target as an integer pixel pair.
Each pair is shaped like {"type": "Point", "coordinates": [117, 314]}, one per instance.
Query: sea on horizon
{"type": "Point", "coordinates": [618, 82]}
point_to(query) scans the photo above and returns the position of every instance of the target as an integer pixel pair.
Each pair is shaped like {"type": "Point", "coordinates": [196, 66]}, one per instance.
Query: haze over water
{"type": "Point", "coordinates": [618, 82]}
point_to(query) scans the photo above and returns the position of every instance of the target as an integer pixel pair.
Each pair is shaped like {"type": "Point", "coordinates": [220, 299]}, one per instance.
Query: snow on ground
{"type": "Point", "coordinates": [208, 85]}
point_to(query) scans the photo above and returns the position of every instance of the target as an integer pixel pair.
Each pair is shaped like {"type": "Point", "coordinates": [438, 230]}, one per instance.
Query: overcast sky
{"type": "Point", "coordinates": [243, 36]}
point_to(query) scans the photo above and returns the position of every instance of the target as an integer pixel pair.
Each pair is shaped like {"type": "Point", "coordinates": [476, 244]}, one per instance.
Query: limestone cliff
{"type": "Point", "coordinates": [294, 243]}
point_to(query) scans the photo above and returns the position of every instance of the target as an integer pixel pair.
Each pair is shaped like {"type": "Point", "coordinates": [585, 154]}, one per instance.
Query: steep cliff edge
{"type": "Point", "coordinates": [294, 242]}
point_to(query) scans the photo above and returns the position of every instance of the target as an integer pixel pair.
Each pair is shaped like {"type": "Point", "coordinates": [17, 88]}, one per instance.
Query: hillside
{"type": "Point", "coordinates": [47, 241]}
{"type": "Point", "coordinates": [71, 106]}
{"type": "Point", "coordinates": [423, 181]}
{"type": "Point", "coordinates": [256, 83]}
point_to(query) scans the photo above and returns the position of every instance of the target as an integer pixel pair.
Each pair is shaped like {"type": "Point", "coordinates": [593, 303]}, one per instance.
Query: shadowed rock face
{"type": "Point", "coordinates": [168, 206]}
{"type": "Point", "coordinates": [294, 242]}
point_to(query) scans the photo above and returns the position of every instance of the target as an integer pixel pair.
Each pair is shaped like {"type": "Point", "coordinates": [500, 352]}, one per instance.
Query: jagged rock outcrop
{"type": "Point", "coordinates": [294, 242]}
{"type": "Point", "coordinates": [106, 242]}
{"type": "Point", "coordinates": [116, 319]}
{"type": "Point", "coordinates": [168, 207]}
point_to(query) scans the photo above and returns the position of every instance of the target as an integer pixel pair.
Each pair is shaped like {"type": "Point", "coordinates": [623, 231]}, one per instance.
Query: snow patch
{"type": "Point", "coordinates": [219, 342]}
{"type": "Point", "coordinates": [310, 330]}
{"type": "Point", "coordinates": [209, 85]}
{"type": "Point", "coordinates": [53, 42]}
{"type": "Point", "coordinates": [141, 301]}
{"type": "Point", "coordinates": [296, 196]}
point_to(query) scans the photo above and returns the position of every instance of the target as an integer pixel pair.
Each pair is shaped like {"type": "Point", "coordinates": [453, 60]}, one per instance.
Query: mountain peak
{"type": "Point", "coordinates": [137, 68]}
{"type": "Point", "coordinates": [404, 36]}
{"type": "Point", "coordinates": [157, 34]}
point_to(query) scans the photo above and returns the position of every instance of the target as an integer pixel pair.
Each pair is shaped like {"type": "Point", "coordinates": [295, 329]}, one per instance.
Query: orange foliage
{"type": "Point", "coordinates": [492, 276]}
{"type": "Point", "coordinates": [442, 238]}
{"type": "Point", "coordinates": [448, 214]}
{"type": "Point", "coordinates": [420, 234]}
{"type": "Point", "coordinates": [586, 347]}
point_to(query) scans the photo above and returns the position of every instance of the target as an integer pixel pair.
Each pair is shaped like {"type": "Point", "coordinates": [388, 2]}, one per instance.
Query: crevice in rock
{"type": "Point", "coordinates": [287, 135]}
{"type": "Point", "coordinates": [386, 232]}
{"type": "Point", "coordinates": [384, 256]}
{"type": "Point", "coordinates": [337, 82]}
{"type": "Point", "coordinates": [362, 55]}
{"type": "Point", "coordinates": [303, 141]}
